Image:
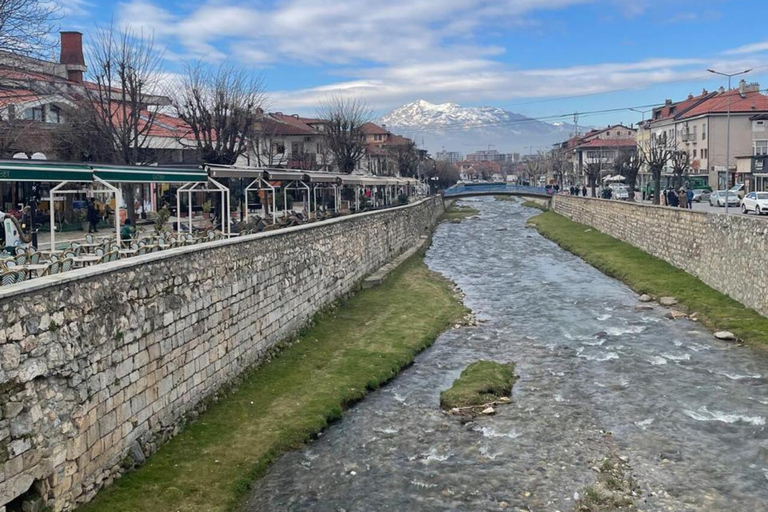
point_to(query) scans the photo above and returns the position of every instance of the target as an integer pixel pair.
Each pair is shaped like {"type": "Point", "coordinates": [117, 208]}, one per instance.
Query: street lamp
{"type": "Point", "coordinates": [728, 129]}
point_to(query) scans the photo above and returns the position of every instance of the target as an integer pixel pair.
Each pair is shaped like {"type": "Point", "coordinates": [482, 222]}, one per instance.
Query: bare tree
{"type": "Point", "coordinates": [344, 119]}
{"type": "Point", "coordinates": [557, 162]}
{"type": "Point", "coordinates": [656, 155]}
{"type": "Point", "coordinates": [441, 175]}
{"type": "Point", "coordinates": [267, 149]}
{"type": "Point", "coordinates": [407, 159]}
{"type": "Point", "coordinates": [627, 163]}
{"type": "Point", "coordinates": [26, 24]}
{"type": "Point", "coordinates": [680, 161]}
{"type": "Point", "coordinates": [122, 105]}
{"type": "Point", "coordinates": [593, 171]}
{"type": "Point", "coordinates": [222, 107]}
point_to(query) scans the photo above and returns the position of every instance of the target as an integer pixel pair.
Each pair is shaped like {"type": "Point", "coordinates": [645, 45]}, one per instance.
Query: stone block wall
{"type": "Point", "coordinates": [728, 252]}
{"type": "Point", "coordinates": [101, 363]}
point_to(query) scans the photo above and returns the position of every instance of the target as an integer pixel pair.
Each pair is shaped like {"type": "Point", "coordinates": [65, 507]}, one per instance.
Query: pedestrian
{"type": "Point", "coordinates": [682, 197]}
{"type": "Point", "coordinates": [584, 190]}
{"type": "Point", "coordinates": [672, 199]}
{"type": "Point", "coordinates": [689, 196]}
{"type": "Point", "coordinates": [92, 216]}
{"type": "Point", "coordinates": [126, 233]}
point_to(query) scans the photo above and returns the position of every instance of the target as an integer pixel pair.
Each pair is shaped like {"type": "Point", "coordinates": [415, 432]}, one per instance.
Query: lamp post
{"type": "Point", "coordinates": [728, 129]}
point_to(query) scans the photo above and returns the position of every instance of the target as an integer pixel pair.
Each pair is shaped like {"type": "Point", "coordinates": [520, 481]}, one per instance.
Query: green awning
{"type": "Point", "coordinates": [149, 174]}
{"type": "Point", "coordinates": [37, 170]}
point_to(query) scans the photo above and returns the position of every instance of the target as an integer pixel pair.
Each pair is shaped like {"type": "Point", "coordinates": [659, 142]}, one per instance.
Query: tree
{"type": "Point", "coordinates": [441, 175]}
{"type": "Point", "coordinates": [25, 26]}
{"type": "Point", "coordinates": [344, 119]}
{"type": "Point", "coordinates": [680, 162]}
{"type": "Point", "coordinates": [121, 105]}
{"type": "Point", "coordinates": [557, 162]}
{"type": "Point", "coordinates": [222, 107]}
{"type": "Point", "coordinates": [656, 155]}
{"type": "Point", "coordinates": [627, 164]}
{"type": "Point", "coordinates": [593, 171]}
{"type": "Point", "coordinates": [407, 159]}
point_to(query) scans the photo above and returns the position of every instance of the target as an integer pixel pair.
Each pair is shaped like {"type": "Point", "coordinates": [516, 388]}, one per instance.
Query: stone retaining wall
{"type": "Point", "coordinates": [100, 364]}
{"type": "Point", "coordinates": [728, 252]}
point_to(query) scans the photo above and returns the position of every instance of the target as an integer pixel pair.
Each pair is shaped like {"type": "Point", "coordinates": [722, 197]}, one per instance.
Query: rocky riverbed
{"type": "Point", "coordinates": [614, 402]}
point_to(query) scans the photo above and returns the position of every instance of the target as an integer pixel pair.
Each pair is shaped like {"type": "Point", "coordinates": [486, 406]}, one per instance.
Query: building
{"type": "Point", "coordinates": [752, 169]}
{"type": "Point", "coordinates": [385, 152]}
{"type": "Point", "coordinates": [598, 146]}
{"type": "Point", "coordinates": [449, 156]}
{"type": "Point", "coordinates": [480, 171]}
{"type": "Point", "coordinates": [289, 141]}
{"type": "Point", "coordinates": [491, 155]}
{"type": "Point", "coordinates": [698, 125]}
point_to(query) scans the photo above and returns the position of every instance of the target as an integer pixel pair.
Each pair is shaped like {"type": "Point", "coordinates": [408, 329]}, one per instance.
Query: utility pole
{"type": "Point", "coordinates": [728, 130]}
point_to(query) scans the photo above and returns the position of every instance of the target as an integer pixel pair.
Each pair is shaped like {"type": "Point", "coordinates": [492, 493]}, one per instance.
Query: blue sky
{"type": "Point", "coordinates": [525, 55]}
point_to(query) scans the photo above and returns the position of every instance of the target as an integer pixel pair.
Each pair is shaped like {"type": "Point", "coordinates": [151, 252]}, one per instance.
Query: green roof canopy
{"type": "Point", "coordinates": [149, 174]}
{"type": "Point", "coordinates": [40, 170]}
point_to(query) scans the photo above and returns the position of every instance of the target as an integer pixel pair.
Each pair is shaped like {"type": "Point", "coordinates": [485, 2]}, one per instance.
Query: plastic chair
{"type": "Point", "coordinates": [21, 259]}
{"type": "Point", "coordinates": [114, 256]}
{"type": "Point", "coordinates": [22, 275]}
{"type": "Point", "coordinates": [34, 258]}
{"type": "Point", "coordinates": [89, 238]}
{"type": "Point", "coordinates": [52, 268]}
{"type": "Point", "coordinates": [70, 254]}
{"type": "Point", "coordinates": [99, 251]}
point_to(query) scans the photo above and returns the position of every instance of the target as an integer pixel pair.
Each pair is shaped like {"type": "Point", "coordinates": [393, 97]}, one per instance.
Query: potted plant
{"type": "Point", "coordinates": [207, 207]}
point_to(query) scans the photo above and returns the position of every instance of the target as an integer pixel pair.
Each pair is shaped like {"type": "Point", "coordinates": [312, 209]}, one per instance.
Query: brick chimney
{"type": "Point", "coordinates": [72, 55]}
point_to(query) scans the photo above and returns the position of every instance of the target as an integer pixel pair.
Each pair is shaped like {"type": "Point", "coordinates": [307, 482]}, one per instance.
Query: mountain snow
{"type": "Point", "coordinates": [460, 128]}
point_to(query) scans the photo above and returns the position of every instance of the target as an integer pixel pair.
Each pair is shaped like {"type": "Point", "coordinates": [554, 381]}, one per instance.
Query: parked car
{"type": "Point", "coordinates": [718, 198]}
{"type": "Point", "coordinates": [700, 194]}
{"type": "Point", "coordinates": [755, 202]}
{"type": "Point", "coordinates": [620, 193]}
{"type": "Point", "coordinates": [739, 190]}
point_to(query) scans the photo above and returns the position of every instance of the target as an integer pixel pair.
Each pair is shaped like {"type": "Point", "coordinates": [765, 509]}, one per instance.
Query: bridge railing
{"type": "Point", "coordinates": [463, 190]}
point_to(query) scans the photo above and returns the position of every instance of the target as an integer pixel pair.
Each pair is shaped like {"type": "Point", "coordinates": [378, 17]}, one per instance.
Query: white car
{"type": "Point", "coordinates": [718, 198]}
{"type": "Point", "coordinates": [620, 193]}
{"type": "Point", "coordinates": [755, 202]}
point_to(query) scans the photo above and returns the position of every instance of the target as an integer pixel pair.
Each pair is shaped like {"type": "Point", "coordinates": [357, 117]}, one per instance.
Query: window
{"type": "Point", "coordinates": [704, 153]}
{"type": "Point", "coordinates": [760, 147]}
{"type": "Point", "coordinates": [33, 114]}
{"type": "Point", "coordinates": [54, 115]}
{"type": "Point", "coordinates": [694, 153]}
{"type": "Point", "coordinates": [378, 137]}
{"type": "Point", "coordinates": [608, 134]}
{"type": "Point", "coordinates": [295, 148]}
{"type": "Point", "coordinates": [278, 148]}
{"type": "Point", "coordinates": [695, 136]}
{"type": "Point", "coordinates": [704, 132]}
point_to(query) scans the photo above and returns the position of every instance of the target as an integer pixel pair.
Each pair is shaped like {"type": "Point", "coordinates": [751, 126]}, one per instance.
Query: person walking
{"type": "Point", "coordinates": [92, 216]}
{"type": "Point", "coordinates": [126, 233]}
{"type": "Point", "coordinates": [682, 197]}
{"type": "Point", "coordinates": [672, 199]}
{"type": "Point", "coordinates": [584, 190]}
{"type": "Point", "coordinates": [689, 196]}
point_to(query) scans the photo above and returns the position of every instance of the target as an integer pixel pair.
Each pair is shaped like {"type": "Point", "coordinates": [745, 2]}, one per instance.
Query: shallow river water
{"type": "Point", "coordinates": [687, 411]}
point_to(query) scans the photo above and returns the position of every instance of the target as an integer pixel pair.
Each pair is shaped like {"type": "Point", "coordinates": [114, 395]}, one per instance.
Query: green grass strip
{"type": "Point", "coordinates": [456, 212]}
{"type": "Point", "coordinates": [349, 351]}
{"type": "Point", "coordinates": [647, 274]}
{"type": "Point", "coordinates": [534, 204]}
{"type": "Point", "coordinates": [480, 383]}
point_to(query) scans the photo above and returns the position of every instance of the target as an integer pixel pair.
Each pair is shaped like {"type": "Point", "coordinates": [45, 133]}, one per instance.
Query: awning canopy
{"type": "Point", "coordinates": [233, 171]}
{"type": "Point", "coordinates": [283, 175]}
{"type": "Point", "coordinates": [322, 177]}
{"type": "Point", "coordinates": [37, 170]}
{"type": "Point", "coordinates": [149, 174]}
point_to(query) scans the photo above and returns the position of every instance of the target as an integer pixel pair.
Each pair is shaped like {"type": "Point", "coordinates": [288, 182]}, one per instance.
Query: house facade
{"type": "Point", "coordinates": [598, 147]}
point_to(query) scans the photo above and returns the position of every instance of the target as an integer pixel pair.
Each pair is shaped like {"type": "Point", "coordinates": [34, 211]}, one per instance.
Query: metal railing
{"type": "Point", "coordinates": [496, 188]}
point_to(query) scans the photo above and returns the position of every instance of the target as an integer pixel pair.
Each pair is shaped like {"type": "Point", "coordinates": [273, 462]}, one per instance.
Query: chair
{"type": "Point", "coordinates": [114, 256]}
{"type": "Point", "coordinates": [21, 259]}
{"type": "Point", "coordinates": [7, 278]}
{"type": "Point", "coordinates": [142, 250]}
{"type": "Point", "coordinates": [70, 254]}
{"type": "Point", "coordinates": [34, 258]}
{"type": "Point", "coordinates": [115, 248]}
{"type": "Point", "coordinates": [22, 275]}
{"type": "Point", "coordinates": [52, 268]}
{"type": "Point", "coordinates": [89, 238]}
{"type": "Point", "coordinates": [99, 251]}
{"type": "Point", "coordinates": [20, 250]}
{"type": "Point", "coordinates": [54, 257]}
{"type": "Point", "coordinates": [65, 265]}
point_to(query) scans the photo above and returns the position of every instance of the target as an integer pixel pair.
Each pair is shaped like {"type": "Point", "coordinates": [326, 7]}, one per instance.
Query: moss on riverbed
{"type": "Point", "coordinates": [482, 382]}
{"type": "Point", "coordinates": [456, 213]}
{"type": "Point", "coordinates": [534, 204]}
{"type": "Point", "coordinates": [347, 352]}
{"type": "Point", "coordinates": [647, 274]}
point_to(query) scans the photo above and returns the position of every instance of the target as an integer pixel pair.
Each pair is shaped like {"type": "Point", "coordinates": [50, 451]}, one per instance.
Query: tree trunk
{"type": "Point", "coordinates": [593, 185]}
{"type": "Point", "coordinates": [657, 187]}
{"type": "Point", "coordinates": [129, 198]}
{"type": "Point", "coordinates": [631, 185]}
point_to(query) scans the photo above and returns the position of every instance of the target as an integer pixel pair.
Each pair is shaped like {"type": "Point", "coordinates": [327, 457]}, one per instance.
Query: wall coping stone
{"type": "Point", "coordinates": [40, 283]}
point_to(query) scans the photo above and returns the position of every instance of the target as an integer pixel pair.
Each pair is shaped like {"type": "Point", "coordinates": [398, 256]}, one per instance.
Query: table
{"type": "Point", "coordinates": [85, 260]}
{"type": "Point", "coordinates": [37, 268]}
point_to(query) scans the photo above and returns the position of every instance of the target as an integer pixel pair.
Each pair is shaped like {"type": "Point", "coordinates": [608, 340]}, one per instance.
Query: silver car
{"type": "Point", "coordinates": [700, 194]}
{"type": "Point", "coordinates": [718, 198]}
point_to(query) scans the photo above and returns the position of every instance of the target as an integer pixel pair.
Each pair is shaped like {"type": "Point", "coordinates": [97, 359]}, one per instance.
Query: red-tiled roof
{"type": "Point", "coordinates": [751, 102]}
{"type": "Point", "coordinates": [680, 107]}
{"type": "Point", "coordinates": [281, 124]}
{"type": "Point", "coordinates": [373, 129]}
{"type": "Point", "coordinates": [609, 143]}
{"type": "Point", "coordinates": [16, 96]}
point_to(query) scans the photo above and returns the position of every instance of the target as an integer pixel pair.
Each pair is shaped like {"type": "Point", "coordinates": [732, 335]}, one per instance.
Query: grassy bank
{"type": "Point", "coordinates": [534, 204]}
{"type": "Point", "coordinates": [647, 274]}
{"type": "Point", "coordinates": [505, 198]}
{"type": "Point", "coordinates": [480, 383]}
{"type": "Point", "coordinates": [348, 351]}
{"type": "Point", "coordinates": [456, 212]}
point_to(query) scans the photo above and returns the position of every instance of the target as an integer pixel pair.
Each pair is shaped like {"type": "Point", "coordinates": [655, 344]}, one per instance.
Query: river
{"type": "Point", "coordinates": [598, 376]}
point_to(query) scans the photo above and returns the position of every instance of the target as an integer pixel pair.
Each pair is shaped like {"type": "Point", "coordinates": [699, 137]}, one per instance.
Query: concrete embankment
{"type": "Point", "coordinates": [101, 365]}
{"type": "Point", "coordinates": [727, 252]}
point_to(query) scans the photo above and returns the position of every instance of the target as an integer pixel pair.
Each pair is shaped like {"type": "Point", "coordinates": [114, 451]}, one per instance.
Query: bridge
{"type": "Point", "coordinates": [496, 189]}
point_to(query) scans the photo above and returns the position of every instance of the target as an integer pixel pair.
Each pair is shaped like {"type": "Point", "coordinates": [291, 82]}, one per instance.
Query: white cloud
{"type": "Point", "coordinates": [749, 48]}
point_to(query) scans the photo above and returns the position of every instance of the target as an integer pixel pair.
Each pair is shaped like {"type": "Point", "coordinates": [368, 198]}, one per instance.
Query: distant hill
{"type": "Point", "coordinates": [469, 129]}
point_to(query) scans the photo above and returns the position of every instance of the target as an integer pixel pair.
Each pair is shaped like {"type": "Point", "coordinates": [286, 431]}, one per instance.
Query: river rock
{"type": "Point", "coordinates": [667, 301]}
{"type": "Point", "coordinates": [489, 411]}
{"type": "Point", "coordinates": [643, 307]}
{"type": "Point", "coordinates": [645, 298]}
{"type": "Point", "coordinates": [675, 315]}
{"type": "Point", "coordinates": [501, 229]}
{"type": "Point", "coordinates": [725, 336]}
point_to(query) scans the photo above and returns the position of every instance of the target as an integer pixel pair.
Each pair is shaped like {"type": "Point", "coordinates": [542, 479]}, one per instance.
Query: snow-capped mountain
{"type": "Point", "coordinates": [461, 129]}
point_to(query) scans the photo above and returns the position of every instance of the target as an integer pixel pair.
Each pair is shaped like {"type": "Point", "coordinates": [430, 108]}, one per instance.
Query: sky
{"type": "Point", "coordinates": [535, 57]}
